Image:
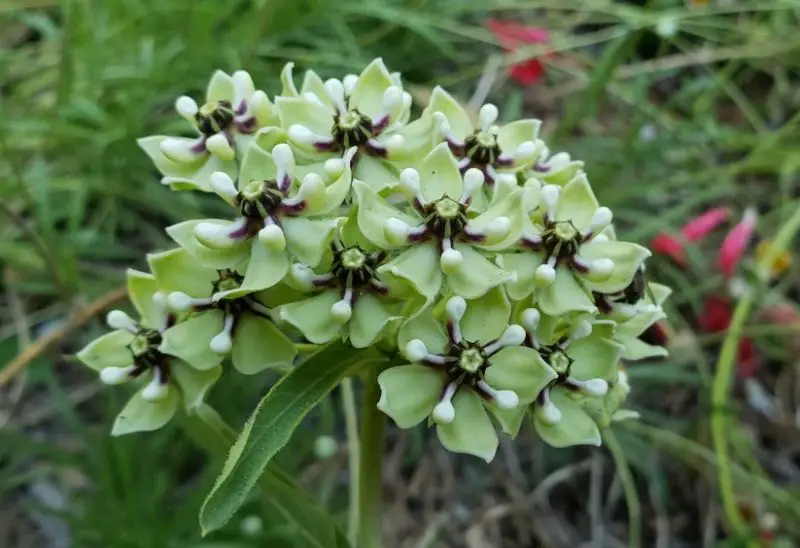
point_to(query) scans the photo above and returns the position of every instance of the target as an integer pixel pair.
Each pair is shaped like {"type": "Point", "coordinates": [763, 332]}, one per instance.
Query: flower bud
{"type": "Point", "coordinates": [219, 146]}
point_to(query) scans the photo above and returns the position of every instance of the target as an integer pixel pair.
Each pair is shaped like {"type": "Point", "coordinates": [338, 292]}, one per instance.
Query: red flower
{"type": "Point", "coordinates": [693, 231]}
{"type": "Point", "coordinates": [716, 315]}
{"type": "Point", "coordinates": [734, 244]}
{"type": "Point", "coordinates": [511, 36]}
{"type": "Point", "coordinates": [747, 360]}
{"type": "Point", "coordinates": [670, 246]}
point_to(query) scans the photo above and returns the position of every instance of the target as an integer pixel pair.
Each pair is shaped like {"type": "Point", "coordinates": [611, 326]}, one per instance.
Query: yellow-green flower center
{"type": "Point", "coordinates": [214, 117]}
{"type": "Point", "coordinates": [559, 362]}
{"type": "Point", "coordinates": [447, 208]}
{"type": "Point", "coordinates": [353, 258]}
{"type": "Point", "coordinates": [471, 360]}
{"type": "Point", "coordinates": [253, 190]}
{"type": "Point", "coordinates": [565, 231]}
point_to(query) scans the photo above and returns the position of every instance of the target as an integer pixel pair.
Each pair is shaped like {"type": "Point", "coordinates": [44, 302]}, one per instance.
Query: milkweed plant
{"type": "Point", "coordinates": [460, 268]}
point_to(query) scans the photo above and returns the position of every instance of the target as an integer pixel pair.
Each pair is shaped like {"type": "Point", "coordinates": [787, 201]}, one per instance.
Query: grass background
{"type": "Point", "coordinates": [668, 124]}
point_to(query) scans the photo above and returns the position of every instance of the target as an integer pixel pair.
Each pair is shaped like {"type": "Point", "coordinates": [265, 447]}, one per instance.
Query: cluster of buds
{"type": "Point", "coordinates": [463, 244]}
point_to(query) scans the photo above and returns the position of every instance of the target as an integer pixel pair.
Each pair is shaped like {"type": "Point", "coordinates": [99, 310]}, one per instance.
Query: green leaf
{"type": "Point", "coordinates": [271, 425]}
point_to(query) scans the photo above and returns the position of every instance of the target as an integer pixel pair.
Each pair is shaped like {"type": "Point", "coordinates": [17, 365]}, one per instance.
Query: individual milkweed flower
{"type": "Point", "coordinates": [368, 112]}
{"type": "Point", "coordinates": [735, 243]}
{"type": "Point", "coordinates": [234, 110]}
{"type": "Point", "coordinates": [554, 169]}
{"type": "Point", "coordinates": [280, 218]}
{"type": "Point", "coordinates": [585, 362]}
{"type": "Point", "coordinates": [440, 235]}
{"type": "Point", "coordinates": [462, 370]}
{"type": "Point", "coordinates": [348, 299]}
{"type": "Point", "coordinates": [134, 352]}
{"type": "Point", "coordinates": [632, 320]}
{"type": "Point", "coordinates": [218, 317]}
{"type": "Point", "coordinates": [495, 150]}
{"type": "Point", "coordinates": [511, 36]}
{"type": "Point", "coordinates": [693, 231]}
{"type": "Point", "coordinates": [563, 254]}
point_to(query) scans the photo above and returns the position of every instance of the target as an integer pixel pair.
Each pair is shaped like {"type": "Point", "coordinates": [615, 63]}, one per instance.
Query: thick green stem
{"type": "Point", "coordinates": [370, 492]}
{"type": "Point", "coordinates": [628, 487]}
{"type": "Point", "coordinates": [351, 428]}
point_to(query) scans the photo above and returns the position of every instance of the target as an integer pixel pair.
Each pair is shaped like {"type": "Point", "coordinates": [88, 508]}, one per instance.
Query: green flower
{"type": "Point", "coordinates": [134, 352]}
{"type": "Point", "coordinates": [440, 233]}
{"type": "Point", "coordinates": [220, 317]}
{"type": "Point", "coordinates": [556, 169]}
{"type": "Point", "coordinates": [458, 373]}
{"type": "Point", "coordinates": [585, 362]}
{"type": "Point", "coordinates": [369, 112]}
{"type": "Point", "coordinates": [280, 219]}
{"type": "Point", "coordinates": [234, 110]}
{"type": "Point", "coordinates": [608, 409]}
{"type": "Point", "coordinates": [565, 256]}
{"type": "Point", "coordinates": [497, 151]}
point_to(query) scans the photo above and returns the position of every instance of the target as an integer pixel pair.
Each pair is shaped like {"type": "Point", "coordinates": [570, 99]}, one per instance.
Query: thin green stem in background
{"type": "Point", "coordinates": [354, 453]}
{"type": "Point", "coordinates": [628, 487]}
{"type": "Point", "coordinates": [370, 493]}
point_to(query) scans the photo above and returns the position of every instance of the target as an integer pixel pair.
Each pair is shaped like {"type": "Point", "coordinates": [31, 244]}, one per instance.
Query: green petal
{"type": "Point", "coordinates": [523, 265]}
{"type": "Point", "coordinates": [373, 212]}
{"type": "Point", "coordinates": [296, 110]}
{"type": "Point", "coordinates": [660, 293]}
{"type": "Point", "coordinates": [576, 427]}
{"type": "Point", "coordinates": [627, 257]}
{"type": "Point", "coordinates": [140, 415]}
{"type": "Point", "coordinates": [370, 318]}
{"type": "Point", "coordinates": [477, 274]}
{"type": "Point", "coordinates": [510, 207]}
{"type": "Point", "coordinates": [257, 165]}
{"type": "Point", "coordinates": [637, 325]}
{"type": "Point", "coordinates": [266, 268]}
{"type": "Point", "coordinates": [220, 88]}
{"type": "Point", "coordinates": [419, 265]}
{"type": "Point", "coordinates": [308, 239]}
{"type": "Point", "coordinates": [514, 134]}
{"type": "Point", "coordinates": [313, 83]}
{"type": "Point", "coordinates": [337, 191]}
{"type": "Point", "coordinates": [367, 94]}
{"type": "Point", "coordinates": [189, 340]}
{"type": "Point", "coordinates": [313, 317]}
{"type": "Point", "coordinates": [637, 349]}
{"type": "Point", "coordinates": [472, 431]}
{"type": "Point", "coordinates": [287, 81]}
{"type": "Point", "coordinates": [443, 102]}
{"type": "Point", "coordinates": [177, 270]}
{"type": "Point", "coordinates": [258, 344]}
{"type": "Point", "coordinates": [194, 384]}
{"type": "Point", "coordinates": [440, 176]}
{"type": "Point", "coordinates": [418, 136]}
{"type": "Point", "coordinates": [179, 176]}
{"type": "Point", "coordinates": [109, 350]}
{"type": "Point", "coordinates": [564, 295]}
{"type": "Point", "coordinates": [426, 328]}
{"type": "Point", "coordinates": [409, 393]}
{"type": "Point", "coordinates": [486, 317]}
{"type": "Point", "coordinates": [141, 288]}
{"type": "Point", "coordinates": [594, 357]}
{"type": "Point", "coordinates": [376, 173]}
{"type": "Point", "coordinates": [577, 203]}
{"type": "Point", "coordinates": [510, 420]}
{"type": "Point", "coordinates": [520, 369]}
{"type": "Point", "coordinates": [234, 257]}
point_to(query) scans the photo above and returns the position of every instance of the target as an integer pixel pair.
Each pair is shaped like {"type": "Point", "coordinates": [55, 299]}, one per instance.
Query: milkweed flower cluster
{"type": "Point", "coordinates": [463, 245]}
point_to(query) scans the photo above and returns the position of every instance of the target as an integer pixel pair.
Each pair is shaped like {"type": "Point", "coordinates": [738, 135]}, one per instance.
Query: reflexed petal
{"type": "Point", "coordinates": [141, 288]}
{"type": "Point", "coordinates": [296, 110]}
{"type": "Point", "coordinates": [140, 415]}
{"type": "Point", "coordinates": [257, 165]}
{"type": "Point", "coordinates": [312, 316]}
{"type": "Point", "coordinates": [337, 191]}
{"type": "Point", "coordinates": [660, 292]}
{"type": "Point", "coordinates": [426, 328]}
{"type": "Point", "coordinates": [594, 357]}
{"type": "Point", "coordinates": [576, 427]}
{"type": "Point", "coordinates": [639, 323]}
{"type": "Point", "coordinates": [258, 344]}
{"type": "Point", "coordinates": [419, 265]}
{"type": "Point", "coordinates": [510, 207]}
{"type": "Point", "coordinates": [471, 432]}
{"type": "Point", "coordinates": [409, 393]}
{"type": "Point", "coordinates": [510, 419]}
{"type": "Point", "coordinates": [637, 349]}
{"type": "Point", "coordinates": [177, 270]}
{"type": "Point", "coordinates": [439, 175]}
{"type": "Point", "coordinates": [443, 102]}
{"type": "Point", "coordinates": [367, 96]}
{"type": "Point", "coordinates": [520, 369]}
{"type": "Point", "coordinates": [189, 339]}
{"type": "Point", "coordinates": [375, 173]}
{"type": "Point", "coordinates": [233, 257]}
{"type": "Point", "coordinates": [288, 88]}
{"type": "Point", "coordinates": [524, 266]}
{"type": "Point", "coordinates": [266, 268]}
{"type": "Point", "coordinates": [627, 257]}
{"type": "Point", "coordinates": [308, 239]}
{"type": "Point", "coordinates": [514, 134]}
{"type": "Point", "coordinates": [194, 384]}
{"type": "Point", "coordinates": [370, 317]}
{"type": "Point", "coordinates": [220, 88]}
{"type": "Point", "coordinates": [477, 274]}
{"type": "Point", "coordinates": [577, 203]}
{"type": "Point", "coordinates": [179, 176]}
{"type": "Point", "coordinates": [564, 295]}
{"type": "Point", "coordinates": [373, 212]}
{"type": "Point", "coordinates": [109, 350]}
{"type": "Point", "coordinates": [486, 317]}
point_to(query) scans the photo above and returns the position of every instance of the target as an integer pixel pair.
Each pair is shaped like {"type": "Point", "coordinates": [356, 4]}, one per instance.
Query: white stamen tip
{"type": "Point", "coordinates": [334, 166]}
{"type": "Point", "coordinates": [284, 157]}
{"type": "Point", "coordinates": [243, 83]}
{"type": "Point", "coordinates": [301, 134]}
{"type": "Point", "coordinates": [219, 146]}
{"type": "Point", "coordinates": [409, 180]}
{"type": "Point", "coordinates": [260, 106]}
{"type": "Point", "coordinates": [499, 228]}
{"type": "Point", "coordinates": [549, 413]}
{"type": "Point", "coordinates": [451, 260]}
{"type": "Point", "coordinates": [396, 231]}
{"type": "Point", "coordinates": [545, 274]}
{"type": "Point", "coordinates": [115, 375]}
{"type": "Point", "coordinates": [223, 185]}
{"type": "Point", "coordinates": [473, 181]}
{"type": "Point", "coordinates": [341, 311]}
{"type": "Point", "coordinates": [221, 343]}
{"type": "Point", "coordinates": [583, 328]}
{"type": "Point", "coordinates": [530, 319]}
{"type": "Point", "coordinates": [514, 335]}
{"type": "Point", "coordinates": [179, 301]}
{"type": "Point", "coordinates": [455, 307]}
{"type": "Point", "coordinates": [302, 275]}
{"type": "Point", "coordinates": [506, 399]}
{"type": "Point", "coordinates": [624, 310]}
{"type": "Point", "coordinates": [394, 143]}
{"type": "Point", "coordinates": [272, 236]}
{"type": "Point", "coordinates": [335, 90]}
{"type": "Point", "coordinates": [186, 107]}
{"type": "Point", "coordinates": [550, 195]}
{"type": "Point", "coordinates": [602, 267]}
{"type": "Point", "coordinates": [312, 189]}
{"type": "Point", "coordinates": [595, 387]}
{"type": "Point", "coordinates": [444, 412]}
{"type": "Point", "coordinates": [487, 116]}
{"type": "Point", "coordinates": [178, 151]}
{"type": "Point", "coordinates": [392, 97]}
{"type": "Point", "coordinates": [415, 350]}
{"type": "Point", "coordinates": [349, 83]}
{"type": "Point", "coordinates": [155, 391]}
{"type": "Point", "coordinates": [214, 235]}
{"type": "Point", "coordinates": [525, 151]}
{"type": "Point", "coordinates": [600, 238]}
{"type": "Point", "coordinates": [117, 319]}
{"type": "Point", "coordinates": [443, 123]}
{"type": "Point", "coordinates": [602, 218]}
{"type": "Point", "coordinates": [313, 98]}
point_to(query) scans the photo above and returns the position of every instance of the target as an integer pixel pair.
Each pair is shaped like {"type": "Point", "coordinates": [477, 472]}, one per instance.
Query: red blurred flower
{"type": "Point", "coordinates": [734, 244]}
{"type": "Point", "coordinates": [747, 359]}
{"type": "Point", "coordinates": [716, 315]}
{"type": "Point", "coordinates": [693, 231]}
{"type": "Point", "coordinates": [670, 246]}
{"type": "Point", "coordinates": [511, 36]}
